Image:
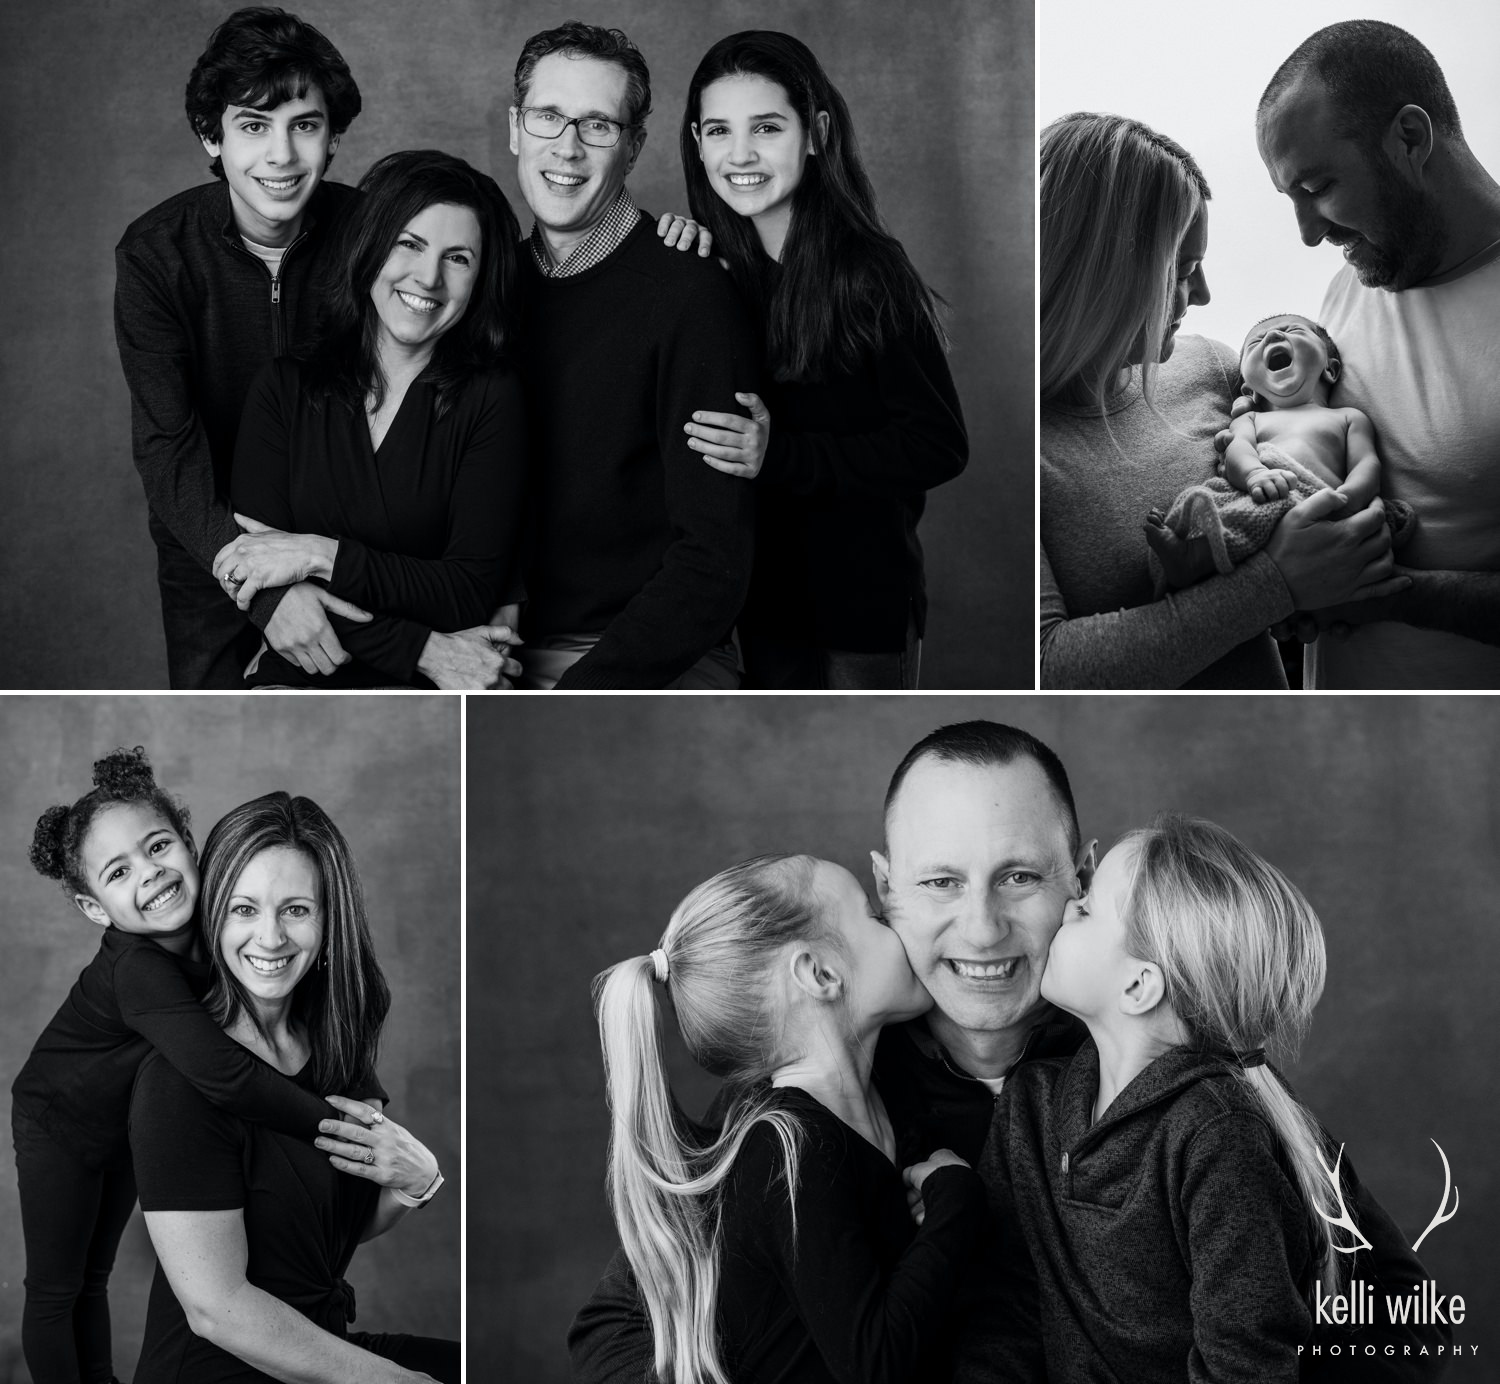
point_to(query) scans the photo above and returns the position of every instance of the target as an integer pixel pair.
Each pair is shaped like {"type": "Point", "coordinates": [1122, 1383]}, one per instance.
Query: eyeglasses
{"type": "Point", "coordinates": [593, 130]}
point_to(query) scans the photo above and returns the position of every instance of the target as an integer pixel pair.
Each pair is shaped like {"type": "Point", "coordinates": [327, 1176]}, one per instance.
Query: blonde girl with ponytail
{"type": "Point", "coordinates": [781, 1245]}
{"type": "Point", "coordinates": [1183, 1210]}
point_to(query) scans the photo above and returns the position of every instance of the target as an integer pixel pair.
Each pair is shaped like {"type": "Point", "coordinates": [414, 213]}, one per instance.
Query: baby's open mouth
{"type": "Point", "coordinates": [1279, 357]}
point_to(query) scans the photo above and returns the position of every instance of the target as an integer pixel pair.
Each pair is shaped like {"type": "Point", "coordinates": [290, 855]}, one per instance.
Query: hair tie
{"type": "Point", "coordinates": [659, 965]}
{"type": "Point", "coordinates": [1256, 1057]}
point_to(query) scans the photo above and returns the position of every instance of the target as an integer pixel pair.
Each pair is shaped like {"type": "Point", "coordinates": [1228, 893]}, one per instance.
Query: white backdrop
{"type": "Point", "coordinates": [1195, 72]}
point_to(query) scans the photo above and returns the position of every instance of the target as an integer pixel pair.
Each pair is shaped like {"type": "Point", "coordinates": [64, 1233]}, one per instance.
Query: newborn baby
{"type": "Point", "coordinates": [1285, 446]}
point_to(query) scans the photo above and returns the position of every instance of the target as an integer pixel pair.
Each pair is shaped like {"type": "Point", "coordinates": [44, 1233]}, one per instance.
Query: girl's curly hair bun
{"type": "Point", "coordinates": [48, 856]}
{"type": "Point", "coordinates": [125, 775]}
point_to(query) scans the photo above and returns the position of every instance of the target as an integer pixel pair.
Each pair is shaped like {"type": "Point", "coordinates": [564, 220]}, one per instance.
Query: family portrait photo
{"type": "Point", "coordinates": [233, 1000]}
{"type": "Point", "coordinates": [518, 348]}
{"type": "Point", "coordinates": [1269, 288]}
{"type": "Point", "coordinates": [983, 1039]}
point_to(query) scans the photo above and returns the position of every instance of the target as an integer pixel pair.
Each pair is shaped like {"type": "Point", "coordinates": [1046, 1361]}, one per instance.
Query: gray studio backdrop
{"type": "Point", "coordinates": [587, 824]}
{"type": "Point", "coordinates": [91, 100]}
{"type": "Point", "coordinates": [386, 769]}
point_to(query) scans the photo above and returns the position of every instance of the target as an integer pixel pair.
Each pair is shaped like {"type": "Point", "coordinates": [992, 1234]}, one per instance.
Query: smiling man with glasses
{"type": "Point", "coordinates": [640, 552]}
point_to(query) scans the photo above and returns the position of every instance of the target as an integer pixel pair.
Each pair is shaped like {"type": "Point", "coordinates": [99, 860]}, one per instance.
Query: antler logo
{"type": "Point", "coordinates": [1344, 1221]}
{"type": "Point", "coordinates": [1438, 1219]}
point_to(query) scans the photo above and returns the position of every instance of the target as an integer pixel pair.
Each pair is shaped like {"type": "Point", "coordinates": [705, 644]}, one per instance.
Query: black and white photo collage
{"type": "Point", "coordinates": [750, 693]}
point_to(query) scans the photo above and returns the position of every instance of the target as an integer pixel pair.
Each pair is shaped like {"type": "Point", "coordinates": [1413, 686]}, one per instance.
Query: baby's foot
{"type": "Point", "coordinates": [1183, 560]}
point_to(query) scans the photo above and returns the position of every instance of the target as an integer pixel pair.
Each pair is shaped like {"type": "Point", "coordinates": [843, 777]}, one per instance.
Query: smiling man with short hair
{"type": "Point", "coordinates": [211, 285]}
{"type": "Point", "coordinates": [1359, 130]}
{"type": "Point", "coordinates": [640, 552]}
{"type": "Point", "coordinates": [982, 856]}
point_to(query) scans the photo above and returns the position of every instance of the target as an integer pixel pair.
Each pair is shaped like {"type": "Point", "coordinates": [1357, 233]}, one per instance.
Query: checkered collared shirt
{"type": "Point", "coordinates": [599, 244]}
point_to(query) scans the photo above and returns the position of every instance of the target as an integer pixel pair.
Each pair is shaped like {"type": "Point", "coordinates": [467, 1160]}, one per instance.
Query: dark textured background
{"type": "Point", "coordinates": [387, 771]}
{"type": "Point", "coordinates": [91, 100]}
{"type": "Point", "coordinates": [589, 819]}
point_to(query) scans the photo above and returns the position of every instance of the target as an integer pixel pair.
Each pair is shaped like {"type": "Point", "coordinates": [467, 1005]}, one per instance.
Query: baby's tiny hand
{"type": "Point", "coordinates": [1266, 485]}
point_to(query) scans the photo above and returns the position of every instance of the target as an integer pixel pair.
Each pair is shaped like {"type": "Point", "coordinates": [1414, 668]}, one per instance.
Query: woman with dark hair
{"type": "Point", "coordinates": [389, 463]}
{"type": "Point", "coordinates": [1129, 414]}
{"type": "Point", "coordinates": [254, 1229]}
{"type": "Point", "coordinates": [866, 416]}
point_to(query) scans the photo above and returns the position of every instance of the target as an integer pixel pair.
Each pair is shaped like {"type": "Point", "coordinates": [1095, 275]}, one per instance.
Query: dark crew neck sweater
{"type": "Point", "coordinates": [634, 537]}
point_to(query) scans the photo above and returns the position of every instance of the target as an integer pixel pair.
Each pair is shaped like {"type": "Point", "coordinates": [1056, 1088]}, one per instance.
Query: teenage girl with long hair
{"type": "Point", "coordinates": [864, 419]}
{"type": "Point", "coordinates": [780, 1246]}
{"type": "Point", "coordinates": [1181, 1207]}
{"type": "Point", "coordinates": [125, 858]}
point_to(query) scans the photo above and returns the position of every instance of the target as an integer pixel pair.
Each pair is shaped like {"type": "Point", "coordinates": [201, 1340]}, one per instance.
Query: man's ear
{"type": "Point", "coordinates": [812, 975]}
{"type": "Point", "coordinates": [1409, 139]}
{"type": "Point", "coordinates": [212, 145]}
{"type": "Point", "coordinates": [880, 867]}
{"type": "Point", "coordinates": [515, 132]}
{"type": "Point", "coordinates": [1145, 990]}
{"type": "Point", "coordinates": [91, 909]}
{"type": "Point", "coordinates": [640, 143]}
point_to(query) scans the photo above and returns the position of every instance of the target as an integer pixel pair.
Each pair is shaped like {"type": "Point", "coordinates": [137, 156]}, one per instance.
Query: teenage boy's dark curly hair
{"type": "Point", "coordinates": [262, 57]}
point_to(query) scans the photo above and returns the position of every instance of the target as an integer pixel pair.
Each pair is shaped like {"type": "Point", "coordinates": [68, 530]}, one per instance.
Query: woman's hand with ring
{"type": "Point", "coordinates": [262, 557]}
{"type": "Point", "coordinates": [366, 1144]}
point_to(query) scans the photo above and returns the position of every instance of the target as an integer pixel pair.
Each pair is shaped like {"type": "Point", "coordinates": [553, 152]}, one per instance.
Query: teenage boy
{"type": "Point", "coordinates": [211, 285]}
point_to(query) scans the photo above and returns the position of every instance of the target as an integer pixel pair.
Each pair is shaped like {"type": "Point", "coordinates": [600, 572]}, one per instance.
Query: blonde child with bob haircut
{"type": "Point", "coordinates": [781, 1245]}
{"type": "Point", "coordinates": [1180, 1206]}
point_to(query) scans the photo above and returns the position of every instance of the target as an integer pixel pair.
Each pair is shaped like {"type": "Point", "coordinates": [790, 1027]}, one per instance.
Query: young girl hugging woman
{"type": "Point", "coordinates": [864, 419]}
{"type": "Point", "coordinates": [125, 857]}
{"type": "Point", "coordinates": [779, 1247]}
{"type": "Point", "coordinates": [1180, 1206]}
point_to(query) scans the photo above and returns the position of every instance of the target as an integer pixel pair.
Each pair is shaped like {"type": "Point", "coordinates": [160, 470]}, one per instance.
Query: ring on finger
{"type": "Point", "coordinates": [369, 1155]}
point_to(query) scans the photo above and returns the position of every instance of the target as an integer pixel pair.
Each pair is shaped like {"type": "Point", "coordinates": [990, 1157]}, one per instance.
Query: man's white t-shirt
{"type": "Point", "coordinates": [1424, 364]}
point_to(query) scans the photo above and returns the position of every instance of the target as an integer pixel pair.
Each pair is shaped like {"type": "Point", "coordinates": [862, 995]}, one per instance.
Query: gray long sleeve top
{"type": "Point", "coordinates": [1100, 625]}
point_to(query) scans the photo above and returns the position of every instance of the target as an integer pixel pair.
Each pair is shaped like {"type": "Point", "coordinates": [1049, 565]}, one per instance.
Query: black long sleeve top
{"type": "Point", "coordinates": [427, 524]}
{"type": "Point", "coordinates": [633, 537]}
{"type": "Point", "coordinates": [858, 1295]}
{"type": "Point", "coordinates": [837, 560]}
{"type": "Point", "coordinates": [134, 996]}
{"type": "Point", "coordinates": [196, 317]}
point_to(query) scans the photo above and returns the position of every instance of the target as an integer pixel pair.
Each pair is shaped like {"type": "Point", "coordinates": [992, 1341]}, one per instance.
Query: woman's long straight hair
{"type": "Point", "coordinates": [845, 286]}
{"type": "Point", "coordinates": [721, 947]}
{"type": "Point", "coordinates": [343, 363]}
{"type": "Point", "coordinates": [343, 1000]}
{"type": "Point", "coordinates": [1117, 199]}
{"type": "Point", "coordinates": [1242, 954]}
